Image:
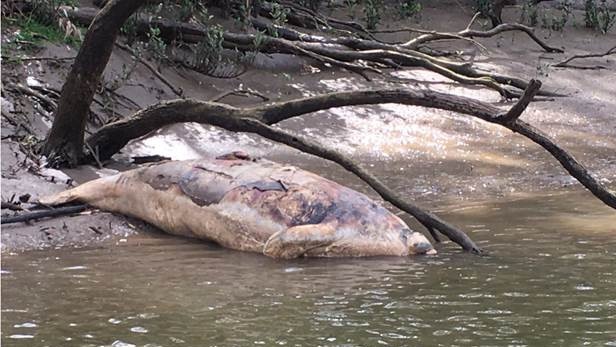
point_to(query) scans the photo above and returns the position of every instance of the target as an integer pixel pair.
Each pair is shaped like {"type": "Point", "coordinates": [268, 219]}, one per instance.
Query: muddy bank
{"type": "Point", "coordinates": [430, 156]}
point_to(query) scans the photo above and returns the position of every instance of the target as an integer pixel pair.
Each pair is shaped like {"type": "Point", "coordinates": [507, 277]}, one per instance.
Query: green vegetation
{"type": "Point", "coordinates": [351, 6]}
{"type": "Point", "coordinates": [558, 22]}
{"type": "Point", "coordinates": [598, 16]}
{"type": "Point", "coordinates": [32, 33]}
{"type": "Point", "coordinates": [530, 13]}
{"type": "Point", "coordinates": [372, 13]}
{"type": "Point", "coordinates": [156, 45]}
{"type": "Point", "coordinates": [409, 8]}
{"type": "Point", "coordinates": [279, 16]}
{"type": "Point", "coordinates": [311, 4]}
{"type": "Point", "coordinates": [483, 6]}
{"type": "Point", "coordinates": [38, 26]}
{"type": "Point", "coordinates": [208, 53]}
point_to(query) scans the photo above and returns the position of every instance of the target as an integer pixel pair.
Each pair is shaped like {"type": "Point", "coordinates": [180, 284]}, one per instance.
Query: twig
{"type": "Point", "coordinates": [475, 16]}
{"type": "Point", "coordinates": [94, 155]}
{"type": "Point", "coordinates": [148, 159]}
{"type": "Point", "coordinates": [11, 206]}
{"type": "Point", "coordinates": [59, 211]}
{"type": "Point", "coordinates": [241, 92]}
{"type": "Point", "coordinates": [177, 91]}
{"type": "Point", "coordinates": [29, 91]}
{"type": "Point", "coordinates": [124, 98]}
{"type": "Point", "coordinates": [17, 123]}
{"type": "Point", "coordinates": [18, 59]}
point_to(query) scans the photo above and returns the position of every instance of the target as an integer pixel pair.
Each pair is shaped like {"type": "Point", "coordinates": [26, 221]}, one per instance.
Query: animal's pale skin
{"type": "Point", "coordinates": [253, 205]}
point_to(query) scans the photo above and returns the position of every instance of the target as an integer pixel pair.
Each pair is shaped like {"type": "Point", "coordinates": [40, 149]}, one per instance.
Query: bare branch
{"type": "Point", "coordinates": [112, 137]}
{"type": "Point", "coordinates": [59, 211]}
{"type": "Point", "coordinates": [51, 105]}
{"type": "Point", "coordinates": [472, 21]}
{"type": "Point", "coordinates": [242, 92]}
{"type": "Point", "coordinates": [514, 113]}
{"type": "Point", "coordinates": [20, 59]}
{"type": "Point", "coordinates": [565, 62]}
{"type": "Point", "coordinates": [414, 43]}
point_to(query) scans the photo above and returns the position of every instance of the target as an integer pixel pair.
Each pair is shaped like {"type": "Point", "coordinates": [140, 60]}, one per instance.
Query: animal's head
{"type": "Point", "coordinates": [419, 244]}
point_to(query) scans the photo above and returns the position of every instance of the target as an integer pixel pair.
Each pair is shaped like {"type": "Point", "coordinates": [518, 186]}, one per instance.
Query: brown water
{"type": "Point", "coordinates": [550, 280]}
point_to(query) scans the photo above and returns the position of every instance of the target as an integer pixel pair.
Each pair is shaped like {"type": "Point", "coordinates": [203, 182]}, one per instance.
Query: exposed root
{"type": "Point", "coordinates": [49, 104]}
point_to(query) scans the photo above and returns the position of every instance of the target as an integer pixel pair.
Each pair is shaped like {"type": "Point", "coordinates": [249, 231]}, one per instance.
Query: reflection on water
{"type": "Point", "coordinates": [549, 281]}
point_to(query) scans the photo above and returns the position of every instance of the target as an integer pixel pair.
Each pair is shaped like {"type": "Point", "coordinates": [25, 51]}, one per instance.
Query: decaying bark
{"type": "Point", "coordinates": [65, 140]}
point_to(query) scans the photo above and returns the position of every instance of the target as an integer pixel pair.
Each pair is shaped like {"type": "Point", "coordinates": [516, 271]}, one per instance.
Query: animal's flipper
{"type": "Point", "coordinates": [86, 192]}
{"type": "Point", "coordinates": [296, 241]}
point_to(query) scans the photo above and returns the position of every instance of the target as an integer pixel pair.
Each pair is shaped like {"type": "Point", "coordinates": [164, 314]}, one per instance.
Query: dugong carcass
{"type": "Point", "coordinates": [252, 205]}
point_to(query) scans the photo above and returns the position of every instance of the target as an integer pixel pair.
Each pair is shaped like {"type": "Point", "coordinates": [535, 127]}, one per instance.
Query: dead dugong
{"type": "Point", "coordinates": [252, 205]}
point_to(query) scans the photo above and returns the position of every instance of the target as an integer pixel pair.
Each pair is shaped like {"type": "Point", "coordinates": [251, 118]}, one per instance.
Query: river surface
{"type": "Point", "coordinates": [550, 280]}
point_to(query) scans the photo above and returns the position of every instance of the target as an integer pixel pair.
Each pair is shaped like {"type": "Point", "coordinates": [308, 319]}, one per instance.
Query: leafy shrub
{"type": "Point", "coordinates": [409, 8]}
{"type": "Point", "coordinates": [372, 12]}
{"type": "Point", "coordinates": [598, 16]}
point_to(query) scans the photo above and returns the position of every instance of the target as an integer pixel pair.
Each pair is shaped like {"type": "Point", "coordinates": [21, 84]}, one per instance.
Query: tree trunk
{"type": "Point", "coordinates": [64, 144]}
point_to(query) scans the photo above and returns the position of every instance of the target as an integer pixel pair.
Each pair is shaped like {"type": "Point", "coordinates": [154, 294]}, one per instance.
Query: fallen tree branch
{"type": "Point", "coordinates": [516, 111]}
{"type": "Point", "coordinates": [114, 136]}
{"type": "Point", "coordinates": [565, 63]}
{"type": "Point", "coordinates": [341, 51]}
{"type": "Point", "coordinates": [11, 206]}
{"type": "Point", "coordinates": [442, 36]}
{"type": "Point", "coordinates": [51, 105]}
{"type": "Point", "coordinates": [59, 211]}
{"type": "Point", "coordinates": [8, 59]}
{"type": "Point", "coordinates": [573, 167]}
{"type": "Point", "coordinates": [414, 43]}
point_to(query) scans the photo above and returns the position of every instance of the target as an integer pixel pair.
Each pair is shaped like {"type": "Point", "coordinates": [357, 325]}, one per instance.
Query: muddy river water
{"type": "Point", "coordinates": [549, 280]}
